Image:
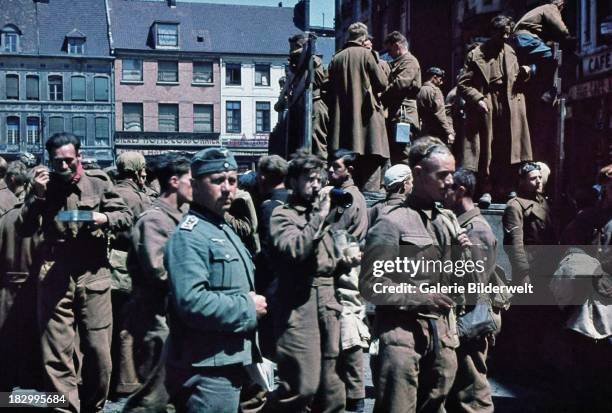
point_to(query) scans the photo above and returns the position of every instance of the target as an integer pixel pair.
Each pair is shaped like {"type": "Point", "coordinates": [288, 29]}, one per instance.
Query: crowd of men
{"type": "Point", "coordinates": [174, 282]}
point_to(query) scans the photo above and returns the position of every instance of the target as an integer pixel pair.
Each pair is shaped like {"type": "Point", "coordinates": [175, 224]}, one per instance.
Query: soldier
{"type": "Point", "coordinates": [131, 168]}
{"type": "Point", "coordinates": [496, 131]}
{"type": "Point", "coordinates": [358, 120]}
{"type": "Point", "coordinates": [416, 329]}
{"type": "Point", "coordinates": [430, 103]}
{"type": "Point", "coordinates": [400, 95]}
{"type": "Point", "coordinates": [538, 26]}
{"type": "Point", "coordinates": [242, 217]}
{"type": "Point", "coordinates": [3, 166]}
{"type": "Point", "coordinates": [354, 335]}
{"type": "Point", "coordinates": [398, 183]}
{"type": "Point", "coordinates": [16, 180]}
{"type": "Point", "coordinates": [307, 311]}
{"type": "Point", "coordinates": [146, 318]}
{"type": "Point", "coordinates": [471, 391]}
{"type": "Point", "coordinates": [213, 309]}
{"type": "Point", "coordinates": [74, 283]}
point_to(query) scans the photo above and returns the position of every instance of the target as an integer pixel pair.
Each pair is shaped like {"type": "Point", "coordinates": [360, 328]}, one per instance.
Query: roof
{"type": "Point", "coordinates": [22, 15]}
{"type": "Point", "coordinates": [59, 17]}
{"type": "Point", "coordinates": [223, 28]}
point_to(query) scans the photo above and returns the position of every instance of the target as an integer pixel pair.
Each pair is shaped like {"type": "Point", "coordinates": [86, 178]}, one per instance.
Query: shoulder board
{"type": "Point", "coordinates": [97, 173]}
{"type": "Point", "coordinates": [190, 222]}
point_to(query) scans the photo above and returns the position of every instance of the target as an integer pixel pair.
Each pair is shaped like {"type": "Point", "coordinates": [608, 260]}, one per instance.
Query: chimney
{"type": "Point", "coordinates": [280, 4]}
{"type": "Point", "coordinates": [172, 3]}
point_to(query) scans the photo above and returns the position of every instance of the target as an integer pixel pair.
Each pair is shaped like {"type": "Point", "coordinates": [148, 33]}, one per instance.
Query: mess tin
{"type": "Point", "coordinates": [75, 215]}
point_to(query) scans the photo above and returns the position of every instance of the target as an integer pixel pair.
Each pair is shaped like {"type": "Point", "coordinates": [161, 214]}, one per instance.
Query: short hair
{"type": "Point", "coordinates": [434, 71]}
{"type": "Point", "coordinates": [423, 148]}
{"type": "Point", "coordinates": [465, 178]}
{"type": "Point", "coordinates": [303, 162]}
{"type": "Point", "coordinates": [500, 22]}
{"type": "Point", "coordinates": [60, 139]}
{"type": "Point", "coordinates": [557, 2]}
{"type": "Point", "coordinates": [396, 37]}
{"type": "Point", "coordinates": [17, 171]}
{"type": "Point", "coordinates": [527, 167]}
{"type": "Point", "coordinates": [274, 168]}
{"type": "Point", "coordinates": [604, 175]}
{"type": "Point", "coordinates": [348, 157]}
{"type": "Point", "coordinates": [357, 31]}
{"type": "Point", "coordinates": [3, 166]}
{"type": "Point", "coordinates": [170, 165]}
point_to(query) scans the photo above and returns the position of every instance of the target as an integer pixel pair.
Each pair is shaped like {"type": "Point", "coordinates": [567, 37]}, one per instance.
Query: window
{"type": "Point", "coordinates": [202, 72]}
{"type": "Point", "coordinates": [12, 87]}
{"type": "Point", "coordinates": [32, 87]}
{"type": "Point", "coordinates": [132, 117]}
{"type": "Point", "coordinates": [100, 89]}
{"type": "Point", "coordinates": [232, 113]}
{"type": "Point", "coordinates": [77, 87]}
{"type": "Point", "coordinates": [167, 71]}
{"type": "Point", "coordinates": [33, 136]}
{"type": "Point", "coordinates": [203, 118]}
{"type": "Point", "coordinates": [76, 46]}
{"type": "Point", "coordinates": [102, 135]}
{"type": "Point", "coordinates": [56, 125]}
{"type": "Point", "coordinates": [56, 88]}
{"type": "Point", "coordinates": [167, 35]}
{"type": "Point", "coordinates": [168, 120]}
{"type": "Point", "coordinates": [262, 116]}
{"type": "Point", "coordinates": [262, 75]}
{"type": "Point", "coordinates": [79, 127]}
{"type": "Point", "coordinates": [12, 130]}
{"type": "Point", "coordinates": [232, 74]}
{"type": "Point", "coordinates": [10, 39]}
{"type": "Point", "coordinates": [131, 70]}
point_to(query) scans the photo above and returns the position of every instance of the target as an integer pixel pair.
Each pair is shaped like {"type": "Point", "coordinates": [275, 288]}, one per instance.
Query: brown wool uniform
{"type": "Point", "coordinates": [471, 392]}
{"type": "Point", "coordinates": [381, 207]}
{"type": "Point", "coordinates": [320, 111]}
{"type": "Point", "coordinates": [499, 138]}
{"type": "Point", "coordinates": [434, 122]}
{"type": "Point", "coordinates": [74, 286]}
{"type": "Point", "coordinates": [19, 347]}
{"type": "Point", "coordinates": [401, 93]}
{"type": "Point", "coordinates": [544, 22]}
{"type": "Point", "coordinates": [307, 316]}
{"type": "Point", "coordinates": [8, 200]}
{"type": "Point", "coordinates": [147, 309]}
{"type": "Point", "coordinates": [417, 343]}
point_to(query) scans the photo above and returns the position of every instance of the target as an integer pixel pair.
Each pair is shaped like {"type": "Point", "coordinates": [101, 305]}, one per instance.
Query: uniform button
{"type": "Point", "coordinates": [227, 256]}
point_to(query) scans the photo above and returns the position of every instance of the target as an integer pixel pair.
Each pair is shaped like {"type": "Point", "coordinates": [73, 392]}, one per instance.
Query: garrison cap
{"type": "Point", "coordinates": [212, 160]}
{"type": "Point", "coordinates": [130, 161]}
{"type": "Point", "coordinates": [396, 174]}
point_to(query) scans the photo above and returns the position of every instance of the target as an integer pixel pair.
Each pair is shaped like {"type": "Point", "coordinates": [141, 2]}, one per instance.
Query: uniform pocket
{"type": "Point", "coordinates": [97, 304]}
{"type": "Point", "coordinates": [330, 329]}
{"type": "Point", "coordinates": [224, 266]}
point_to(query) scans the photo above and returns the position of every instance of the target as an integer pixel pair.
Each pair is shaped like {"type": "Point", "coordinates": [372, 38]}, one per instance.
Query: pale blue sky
{"type": "Point", "coordinates": [318, 7]}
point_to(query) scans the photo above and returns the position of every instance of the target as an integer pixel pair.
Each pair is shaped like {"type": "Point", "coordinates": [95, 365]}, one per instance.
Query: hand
{"type": "Point", "coordinates": [99, 219]}
{"type": "Point", "coordinates": [260, 304]}
{"type": "Point", "coordinates": [450, 139]}
{"type": "Point", "coordinates": [464, 241]}
{"type": "Point", "coordinates": [353, 261]}
{"type": "Point", "coordinates": [439, 301]}
{"type": "Point", "coordinates": [483, 106]}
{"type": "Point", "coordinates": [323, 203]}
{"type": "Point", "coordinates": [41, 179]}
{"type": "Point", "coordinates": [525, 72]}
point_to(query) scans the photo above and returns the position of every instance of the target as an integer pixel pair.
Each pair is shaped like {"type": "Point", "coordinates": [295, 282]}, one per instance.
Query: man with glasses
{"type": "Point", "coordinates": [75, 210]}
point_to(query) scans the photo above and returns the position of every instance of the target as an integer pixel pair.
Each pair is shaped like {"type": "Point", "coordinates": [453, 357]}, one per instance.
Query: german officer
{"type": "Point", "coordinates": [213, 308]}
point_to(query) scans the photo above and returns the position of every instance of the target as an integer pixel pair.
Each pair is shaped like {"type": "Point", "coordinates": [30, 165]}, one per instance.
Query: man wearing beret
{"type": "Point", "coordinates": [430, 104]}
{"type": "Point", "coordinates": [213, 309]}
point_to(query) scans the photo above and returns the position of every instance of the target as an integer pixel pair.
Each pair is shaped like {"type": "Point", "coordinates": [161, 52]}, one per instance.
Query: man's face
{"type": "Point", "coordinates": [338, 172]}
{"type": "Point", "coordinates": [307, 185]}
{"type": "Point", "coordinates": [184, 190]}
{"type": "Point", "coordinates": [435, 177]}
{"type": "Point", "coordinates": [499, 36]}
{"type": "Point", "coordinates": [215, 191]}
{"type": "Point", "coordinates": [532, 183]}
{"type": "Point", "coordinates": [451, 198]}
{"type": "Point", "coordinates": [64, 162]}
{"type": "Point", "coordinates": [438, 81]}
{"type": "Point", "coordinates": [394, 50]}
{"type": "Point", "coordinates": [142, 178]}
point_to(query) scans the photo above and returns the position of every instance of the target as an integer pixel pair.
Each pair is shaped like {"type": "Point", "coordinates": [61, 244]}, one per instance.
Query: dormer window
{"type": "Point", "coordinates": [10, 39]}
{"type": "Point", "coordinates": [75, 42]}
{"type": "Point", "coordinates": [167, 35]}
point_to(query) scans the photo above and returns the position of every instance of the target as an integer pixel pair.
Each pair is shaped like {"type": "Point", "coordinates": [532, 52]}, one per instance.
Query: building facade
{"type": "Point", "coordinates": [55, 76]}
{"type": "Point", "coordinates": [189, 75]}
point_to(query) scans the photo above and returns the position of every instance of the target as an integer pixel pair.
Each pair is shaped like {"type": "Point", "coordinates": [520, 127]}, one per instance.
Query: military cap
{"type": "Point", "coordinates": [212, 160]}
{"type": "Point", "coordinates": [435, 71]}
{"type": "Point", "coordinates": [130, 161]}
{"type": "Point", "coordinates": [396, 174]}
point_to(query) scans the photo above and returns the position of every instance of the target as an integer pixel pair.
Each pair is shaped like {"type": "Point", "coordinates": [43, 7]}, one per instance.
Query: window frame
{"type": "Point", "coordinates": [9, 31]}
{"type": "Point", "coordinates": [13, 136]}
{"type": "Point", "coordinates": [229, 110]}
{"type": "Point", "coordinates": [12, 76]}
{"type": "Point", "coordinates": [53, 96]}
{"type": "Point", "coordinates": [212, 74]}
{"type": "Point", "coordinates": [211, 127]}
{"type": "Point", "coordinates": [266, 121]}
{"type": "Point", "coordinates": [63, 128]}
{"type": "Point", "coordinates": [233, 66]}
{"type": "Point", "coordinates": [267, 70]}
{"type": "Point", "coordinates": [72, 88]}
{"type": "Point", "coordinates": [158, 36]}
{"type": "Point", "coordinates": [82, 118]}
{"type": "Point", "coordinates": [159, 72]}
{"type": "Point", "coordinates": [141, 113]}
{"type": "Point", "coordinates": [74, 48]}
{"type": "Point", "coordinates": [37, 77]}
{"type": "Point", "coordinates": [123, 70]}
{"type": "Point", "coordinates": [35, 141]}
{"type": "Point", "coordinates": [106, 121]}
{"type": "Point", "coordinates": [107, 85]}
{"type": "Point", "coordinates": [159, 117]}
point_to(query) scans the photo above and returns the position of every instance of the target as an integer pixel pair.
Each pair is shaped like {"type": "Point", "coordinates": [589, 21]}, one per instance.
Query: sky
{"type": "Point", "coordinates": [318, 7]}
